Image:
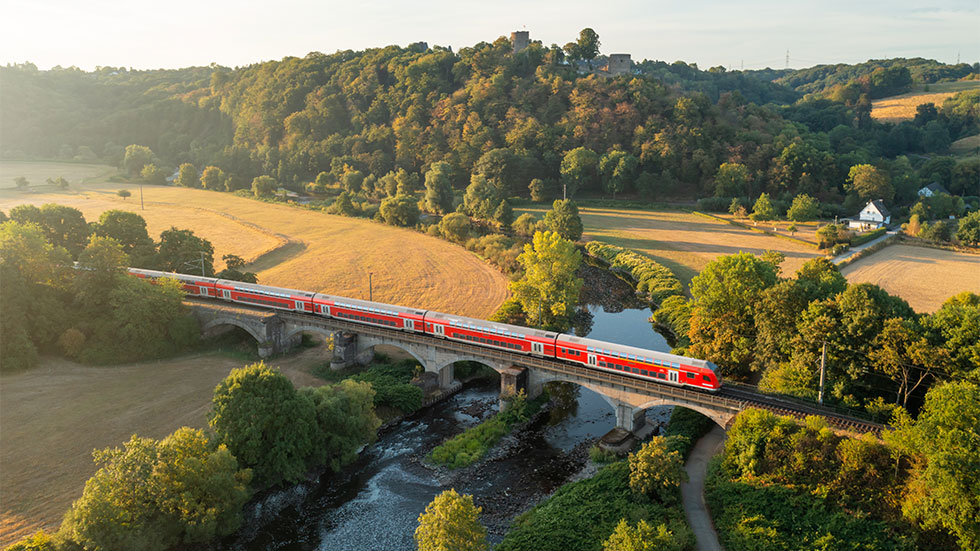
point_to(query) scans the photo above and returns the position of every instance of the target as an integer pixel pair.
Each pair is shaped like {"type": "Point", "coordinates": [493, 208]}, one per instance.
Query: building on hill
{"type": "Point", "coordinates": [933, 189]}
{"type": "Point", "coordinates": [521, 40]}
{"type": "Point", "coordinates": [874, 215]}
{"type": "Point", "coordinates": [619, 64]}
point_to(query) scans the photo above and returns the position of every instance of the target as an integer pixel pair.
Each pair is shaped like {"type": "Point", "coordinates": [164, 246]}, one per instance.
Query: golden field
{"type": "Point", "coordinates": [293, 247]}
{"type": "Point", "coordinates": [924, 277]}
{"type": "Point", "coordinates": [902, 107]}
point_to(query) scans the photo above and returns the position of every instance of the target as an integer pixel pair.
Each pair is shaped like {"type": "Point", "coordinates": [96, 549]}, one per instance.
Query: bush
{"type": "Point", "coordinates": [392, 387]}
{"type": "Point", "coordinates": [657, 470]}
{"type": "Point", "coordinates": [455, 226]}
{"type": "Point", "coordinates": [865, 237]}
{"type": "Point", "coordinates": [714, 204]}
{"type": "Point", "coordinates": [470, 446]}
{"type": "Point", "coordinates": [601, 456]}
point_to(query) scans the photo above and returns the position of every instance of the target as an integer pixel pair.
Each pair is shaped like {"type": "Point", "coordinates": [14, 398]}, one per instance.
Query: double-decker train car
{"type": "Point", "coordinates": [639, 362]}
{"type": "Point", "coordinates": [590, 353]}
{"type": "Point", "coordinates": [491, 334]}
{"type": "Point", "coordinates": [374, 313]}
{"type": "Point", "coordinates": [264, 295]}
{"type": "Point", "coordinates": [198, 286]}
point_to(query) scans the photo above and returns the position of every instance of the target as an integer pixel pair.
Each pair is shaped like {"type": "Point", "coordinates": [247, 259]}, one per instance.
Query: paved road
{"type": "Point", "coordinates": [692, 491]}
{"type": "Point", "coordinates": [855, 250]}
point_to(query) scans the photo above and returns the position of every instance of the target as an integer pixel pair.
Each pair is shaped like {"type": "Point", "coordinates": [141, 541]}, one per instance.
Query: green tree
{"type": "Point", "coordinates": [352, 181]}
{"type": "Point", "coordinates": [526, 224]}
{"type": "Point", "coordinates": [722, 318]}
{"type": "Point", "coordinates": [538, 189]}
{"type": "Point", "coordinates": [829, 235]}
{"type": "Point", "coordinates": [642, 537]}
{"type": "Point", "coordinates": [455, 226]}
{"type": "Point", "coordinates": [731, 180]}
{"type": "Point", "coordinates": [903, 354]}
{"type": "Point", "coordinates": [234, 270]}
{"type": "Point", "coordinates": [400, 210]}
{"type": "Point", "coordinates": [102, 265]}
{"type": "Point", "coordinates": [481, 197]}
{"type": "Point", "coordinates": [136, 158]}
{"type": "Point", "coordinates": [956, 325]}
{"type": "Point", "coordinates": [129, 229]}
{"type": "Point", "coordinates": [501, 168]}
{"type": "Point", "coordinates": [183, 252]}
{"type": "Point", "coordinates": [124, 193]}
{"type": "Point", "coordinates": [618, 168]}
{"type": "Point", "coordinates": [39, 541]}
{"type": "Point", "coordinates": [869, 183]}
{"type": "Point", "coordinates": [187, 176]}
{"type": "Point", "coordinates": [264, 186]}
{"type": "Point", "coordinates": [344, 205]}
{"type": "Point", "coordinates": [265, 423]}
{"type": "Point", "coordinates": [156, 494]}
{"type": "Point", "coordinates": [968, 232]}
{"type": "Point", "coordinates": [504, 214]}
{"type": "Point", "coordinates": [62, 226]}
{"type": "Point", "coordinates": [345, 419]}
{"type": "Point", "coordinates": [763, 209]}
{"type": "Point", "coordinates": [213, 178]}
{"type": "Point", "coordinates": [587, 45]}
{"type": "Point", "coordinates": [563, 218]}
{"type": "Point", "coordinates": [439, 188]}
{"type": "Point", "coordinates": [21, 183]}
{"type": "Point", "coordinates": [451, 523]}
{"type": "Point", "coordinates": [549, 290]}
{"type": "Point", "coordinates": [153, 175]}
{"type": "Point", "coordinates": [945, 480]}
{"type": "Point", "coordinates": [657, 470]}
{"type": "Point", "coordinates": [803, 209]}
{"type": "Point", "coordinates": [578, 170]}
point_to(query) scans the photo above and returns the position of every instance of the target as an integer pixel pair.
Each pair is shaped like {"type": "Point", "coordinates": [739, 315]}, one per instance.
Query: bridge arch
{"type": "Point", "coordinates": [722, 419]}
{"type": "Point", "coordinates": [220, 321]}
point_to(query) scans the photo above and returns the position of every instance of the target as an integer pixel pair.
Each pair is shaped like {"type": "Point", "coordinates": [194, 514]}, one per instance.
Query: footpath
{"type": "Point", "coordinates": [692, 491]}
{"type": "Point", "coordinates": [853, 251]}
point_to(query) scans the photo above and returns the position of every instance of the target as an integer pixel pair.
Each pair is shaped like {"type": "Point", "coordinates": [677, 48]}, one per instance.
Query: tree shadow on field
{"type": "Point", "coordinates": [277, 256]}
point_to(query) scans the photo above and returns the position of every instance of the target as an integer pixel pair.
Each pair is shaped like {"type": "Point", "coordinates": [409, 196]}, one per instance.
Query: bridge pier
{"type": "Point", "coordinates": [629, 418]}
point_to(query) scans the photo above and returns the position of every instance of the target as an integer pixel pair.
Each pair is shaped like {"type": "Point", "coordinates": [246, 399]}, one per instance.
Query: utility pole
{"type": "Point", "coordinates": [563, 190]}
{"type": "Point", "coordinates": [823, 363]}
{"type": "Point", "coordinates": [787, 59]}
{"type": "Point", "coordinates": [371, 286]}
{"type": "Point", "coordinates": [141, 195]}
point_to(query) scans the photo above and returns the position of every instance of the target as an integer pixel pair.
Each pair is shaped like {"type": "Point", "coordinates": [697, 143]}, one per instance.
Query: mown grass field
{"type": "Point", "coordinates": [924, 277]}
{"type": "Point", "coordinates": [55, 415]}
{"type": "Point", "coordinates": [294, 247]}
{"type": "Point", "coordinates": [966, 147]}
{"type": "Point", "coordinates": [902, 107]}
{"type": "Point", "coordinates": [682, 241]}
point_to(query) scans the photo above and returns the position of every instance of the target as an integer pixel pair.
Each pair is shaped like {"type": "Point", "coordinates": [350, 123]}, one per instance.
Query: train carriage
{"type": "Point", "coordinates": [374, 313]}
{"type": "Point", "coordinates": [264, 295]}
{"type": "Point", "coordinates": [638, 362]}
{"type": "Point", "coordinates": [198, 286]}
{"type": "Point", "coordinates": [491, 334]}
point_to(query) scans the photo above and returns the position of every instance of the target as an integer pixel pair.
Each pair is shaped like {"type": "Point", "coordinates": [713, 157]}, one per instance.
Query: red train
{"type": "Point", "coordinates": [636, 362]}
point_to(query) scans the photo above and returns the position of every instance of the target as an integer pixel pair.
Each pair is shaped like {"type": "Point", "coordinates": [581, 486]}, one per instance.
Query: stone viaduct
{"type": "Point", "coordinates": [276, 331]}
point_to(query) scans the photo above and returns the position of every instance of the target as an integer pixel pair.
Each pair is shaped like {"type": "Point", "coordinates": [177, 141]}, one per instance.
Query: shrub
{"type": "Point", "coordinates": [601, 456]}
{"type": "Point", "coordinates": [652, 279]}
{"type": "Point", "coordinates": [455, 226]}
{"type": "Point", "coordinates": [656, 469]}
{"type": "Point", "coordinates": [714, 204]}
{"type": "Point", "coordinates": [72, 342]}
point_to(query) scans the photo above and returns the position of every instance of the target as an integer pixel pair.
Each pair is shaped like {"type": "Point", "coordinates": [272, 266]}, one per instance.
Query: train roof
{"type": "Point", "coordinates": [264, 289]}
{"type": "Point", "coordinates": [490, 326]}
{"type": "Point", "coordinates": [621, 349]}
{"type": "Point", "coordinates": [369, 306]}
{"type": "Point", "coordinates": [172, 275]}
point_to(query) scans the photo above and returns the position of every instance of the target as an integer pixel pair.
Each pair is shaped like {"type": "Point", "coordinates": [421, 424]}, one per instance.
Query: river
{"type": "Point", "coordinates": [375, 503]}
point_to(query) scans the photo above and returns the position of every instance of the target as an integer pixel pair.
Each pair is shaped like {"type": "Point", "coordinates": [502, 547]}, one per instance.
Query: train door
{"type": "Point", "coordinates": [410, 325]}
{"type": "Point", "coordinates": [299, 306]}
{"type": "Point", "coordinates": [537, 348]}
{"type": "Point", "coordinates": [226, 294]}
{"type": "Point", "coordinates": [592, 360]}
{"type": "Point", "coordinates": [438, 329]}
{"type": "Point", "coordinates": [671, 375]}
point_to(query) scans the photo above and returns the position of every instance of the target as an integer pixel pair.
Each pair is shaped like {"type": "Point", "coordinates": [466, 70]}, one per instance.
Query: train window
{"type": "Point", "coordinates": [675, 365]}
{"type": "Point", "coordinates": [602, 363]}
{"type": "Point", "coordinates": [689, 375]}
{"type": "Point", "coordinates": [705, 378]}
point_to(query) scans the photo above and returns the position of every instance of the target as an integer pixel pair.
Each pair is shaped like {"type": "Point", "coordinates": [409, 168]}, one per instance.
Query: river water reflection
{"type": "Point", "coordinates": [375, 503]}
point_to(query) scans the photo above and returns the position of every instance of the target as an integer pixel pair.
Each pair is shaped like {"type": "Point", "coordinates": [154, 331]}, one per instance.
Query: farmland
{"type": "Point", "coordinates": [685, 242]}
{"type": "Point", "coordinates": [293, 247]}
{"type": "Point", "coordinates": [902, 107]}
{"type": "Point", "coordinates": [924, 277]}
{"type": "Point", "coordinates": [46, 452]}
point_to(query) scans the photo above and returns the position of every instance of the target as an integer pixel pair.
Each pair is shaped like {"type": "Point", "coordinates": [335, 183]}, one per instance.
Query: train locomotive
{"type": "Point", "coordinates": [640, 363]}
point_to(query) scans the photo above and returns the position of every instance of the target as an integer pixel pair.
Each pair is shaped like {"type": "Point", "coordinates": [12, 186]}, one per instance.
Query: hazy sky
{"type": "Point", "coordinates": [179, 33]}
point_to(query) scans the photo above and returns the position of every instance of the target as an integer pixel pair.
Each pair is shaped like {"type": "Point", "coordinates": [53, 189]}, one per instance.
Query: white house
{"type": "Point", "coordinates": [932, 189]}
{"type": "Point", "coordinates": [873, 216]}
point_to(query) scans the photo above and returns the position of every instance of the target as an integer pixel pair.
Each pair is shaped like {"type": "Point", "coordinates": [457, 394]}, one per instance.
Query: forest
{"type": "Point", "coordinates": [662, 131]}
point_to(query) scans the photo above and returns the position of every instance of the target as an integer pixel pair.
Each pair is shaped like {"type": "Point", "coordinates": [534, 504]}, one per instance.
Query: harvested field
{"type": "Point", "coordinates": [966, 147]}
{"type": "Point", "coordinates": [37, 173]}
{"type": "Point", "coordinates": [924, 277]}
{"type": "Point", "coordinates": [298, 248]}
{"type": "Point", "coordinates": [902, 108]}
{"type": "Point", "coordinates": [55, 415]}
{"type": "Point", "coordinates": [682, 241]}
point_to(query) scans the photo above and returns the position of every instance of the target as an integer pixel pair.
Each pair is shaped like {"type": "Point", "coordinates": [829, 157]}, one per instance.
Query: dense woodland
{"type": "Point", "coordinates": [537, 115]}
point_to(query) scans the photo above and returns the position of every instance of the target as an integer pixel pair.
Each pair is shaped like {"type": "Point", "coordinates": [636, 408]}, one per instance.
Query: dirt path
{"type": "Point", "coordinates": [692, 491]}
